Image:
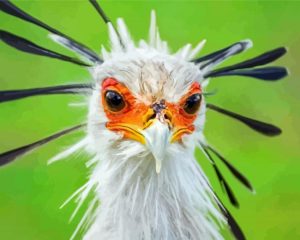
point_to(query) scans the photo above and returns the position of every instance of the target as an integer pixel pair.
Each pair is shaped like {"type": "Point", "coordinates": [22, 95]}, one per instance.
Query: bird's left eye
{"type": "Point", "coordinates": [192, 104]}
{"type": "Point", "coordinates": [114, 101]}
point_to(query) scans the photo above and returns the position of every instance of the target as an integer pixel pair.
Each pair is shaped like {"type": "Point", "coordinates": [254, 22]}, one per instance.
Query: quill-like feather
{"type": "Point", "coordinates": [234, 227]}
{"type": "Point", "coordinates": [242, 45]}
{"type": "Point", "coordinates": [100, 11]}
{"type": "Point", "coordinates": [232, 169]}
{"type": "Point", "coordinates": [10, 95]}
{"type": "Point", "coordinates": [11, 9]}
{"type": "Point", "coordinates": [106, 19]}
{"type": "Point", "coordinates": [221, 57]}
{"type": "Point", "coordinates": [12, 155]}
{"type": "Point", "coordinates": [24, 45]}
{"type": "Point", "coordinates": [262, 127]}
{"type": "Point", "coordinates": [260, 60]}
{"type": "Point", "coordinates": [225, 186]}
{"type": "Point", "coordinates": [267, 73]}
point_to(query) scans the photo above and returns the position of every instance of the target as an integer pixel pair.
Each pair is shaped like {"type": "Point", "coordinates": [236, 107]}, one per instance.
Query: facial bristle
{"type": "Point", "coordinates": [267, 73]}
{"type": "Point", "coordinates": [225, 186]}
{"type": "Point", "coordinates": [10, 95]}
{"type": "Point", "coordinates": [12, 155]}
{"type": "Point", "coordinates": [232, 169]}
{"type": "Point", "coordinates": [24, 45]}
{"type": "Point", "coordinates": [261, 127]}
{"type": "Point", "coordinates": [11, 9]}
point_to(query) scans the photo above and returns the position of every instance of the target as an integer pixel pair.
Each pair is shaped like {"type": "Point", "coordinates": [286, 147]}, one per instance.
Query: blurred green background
{"type": "Point", "coordinates": [31, 192]}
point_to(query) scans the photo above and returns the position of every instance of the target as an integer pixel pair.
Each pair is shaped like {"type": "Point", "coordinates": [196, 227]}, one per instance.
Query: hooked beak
{"type": "Point", "coordinates": [157, 140]}
{"type": "Point", "coordinates": [157, 134]}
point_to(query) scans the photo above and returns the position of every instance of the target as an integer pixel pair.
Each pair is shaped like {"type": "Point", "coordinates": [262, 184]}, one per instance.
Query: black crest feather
{"type": "Point", "coordinates": [260, 60]}
{"type": "Point", "coordinates": [11, 9]}
{"type": "Point", "coordinates": [12, 155]}
{"type": "Point", "coordinates": [225, 186]}
{"type": "Point", "coordinates": [267, 73]}
{"type": "Point", "coordinates": [226, 53]}
{"type": "Point", "coordinates": [106, 19]}
{"type": "Point", "coordinates": [100, 11]}
{"type": "Point", "coordinates": [241, 46]}
{"type": "Point", "coordinates": [234, 227]}
{"type": "Point", "coordinates": [262, 127]}
{"type": "Point", "coordinates": [24, 45]}
{"type": "Point", "coordinates": [10, 95]}
{"type": "Point", "coordinates": [232, 169]}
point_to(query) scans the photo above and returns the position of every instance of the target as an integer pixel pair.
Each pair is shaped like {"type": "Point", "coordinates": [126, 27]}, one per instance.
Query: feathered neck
{"type": "Point", "coordinates": [139, 204]}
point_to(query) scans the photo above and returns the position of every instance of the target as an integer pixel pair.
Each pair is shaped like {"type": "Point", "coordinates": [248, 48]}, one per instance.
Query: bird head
{"type": "Point", "coordinates": [147, 103]}
{"type": "Point", "coordinates": [147, 99]}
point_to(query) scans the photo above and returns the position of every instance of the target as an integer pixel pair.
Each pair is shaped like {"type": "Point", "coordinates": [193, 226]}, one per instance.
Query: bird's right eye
{"type": "Point", "coordinates": [114, 101]}
{"type": "Point", "coordinates": [192, 104]}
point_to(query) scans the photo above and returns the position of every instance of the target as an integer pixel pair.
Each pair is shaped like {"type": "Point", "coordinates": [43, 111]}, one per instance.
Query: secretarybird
{"type": "Point", "coordinates": [146, 117]}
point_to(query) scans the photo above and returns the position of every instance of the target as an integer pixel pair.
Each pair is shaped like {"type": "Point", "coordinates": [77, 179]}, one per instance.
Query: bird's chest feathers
{"type": "Point", "coordinates": [139, 204]}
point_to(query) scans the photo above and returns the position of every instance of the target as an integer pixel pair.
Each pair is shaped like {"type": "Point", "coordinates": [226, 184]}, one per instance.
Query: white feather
{"type": "Point", "coordinates": [196, 50]}
{"type": "Point", "coordinates": [114, 38]}
{"type": "Point", "coordinates": [76, 147]}
{"type": "Point", "coordinates": [131, 200]}
{"type": "Point", "coordinates": [152, 30]}
{"type": "Point", "coordinates": [124, 34]}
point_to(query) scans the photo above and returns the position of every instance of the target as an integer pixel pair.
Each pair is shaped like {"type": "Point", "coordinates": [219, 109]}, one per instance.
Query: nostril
{"type": "Point", "coordinates": [152, 116]}
{"type": "Point", "coordinates": [168, 117]}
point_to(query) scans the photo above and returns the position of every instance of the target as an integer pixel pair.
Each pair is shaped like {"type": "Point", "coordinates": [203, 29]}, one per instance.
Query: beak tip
{"type": "Point", "coordinates": [158, 166]}
{"type": "Point", "coordinates": [157, 140]}
{"type": "Point", "coordinates": [158, 169]}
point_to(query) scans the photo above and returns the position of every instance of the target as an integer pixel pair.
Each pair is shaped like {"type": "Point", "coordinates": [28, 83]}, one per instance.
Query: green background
{"type": "Point", "coordinates": [31, 192]}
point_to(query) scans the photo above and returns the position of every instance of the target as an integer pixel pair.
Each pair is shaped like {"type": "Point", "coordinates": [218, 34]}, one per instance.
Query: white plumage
{"type": "Point", "coordinates": [132, 201]}
{"type": "Point", "coordinates": [146, 117]}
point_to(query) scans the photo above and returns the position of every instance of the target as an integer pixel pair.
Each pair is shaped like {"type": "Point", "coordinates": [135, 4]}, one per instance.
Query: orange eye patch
{"type": "Point", "coordinates": [181, 119]}
{"type": "Point", "coordinates": [127, 114]}
{"type": "Point", "coordinates": [133, 112]}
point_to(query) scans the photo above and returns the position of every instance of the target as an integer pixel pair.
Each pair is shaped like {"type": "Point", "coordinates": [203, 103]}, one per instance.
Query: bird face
{"type": "Point", "coordinates": [149, 113]}
{"type": "Point", "coordinates": [146, 104]}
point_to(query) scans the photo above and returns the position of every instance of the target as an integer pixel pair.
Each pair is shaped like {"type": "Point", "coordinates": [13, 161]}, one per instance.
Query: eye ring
{"type": "Point", "coordinates": [114, 101]}
{"type": "Point", "coordinates": [192, 103]}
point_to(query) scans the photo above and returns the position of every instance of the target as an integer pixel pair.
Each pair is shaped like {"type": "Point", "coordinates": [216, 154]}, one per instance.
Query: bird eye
{"type": "Point", "coordinates": [114, 101]}
{"type": "Point", "coordinates": [192, 104]}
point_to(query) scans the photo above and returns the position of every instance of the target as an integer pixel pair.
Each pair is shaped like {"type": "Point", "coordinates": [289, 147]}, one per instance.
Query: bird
{"type": "Point", "coordinates": [146, 115]}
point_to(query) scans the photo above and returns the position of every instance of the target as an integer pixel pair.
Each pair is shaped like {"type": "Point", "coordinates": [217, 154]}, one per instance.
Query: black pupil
{"type": "Point", "coordinates": [114, 101]}
{"type": "Point", "coordinates": [192, 104]}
